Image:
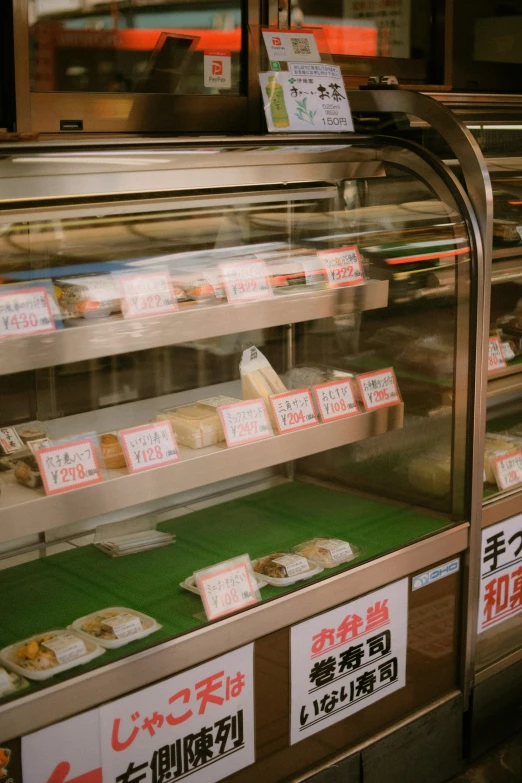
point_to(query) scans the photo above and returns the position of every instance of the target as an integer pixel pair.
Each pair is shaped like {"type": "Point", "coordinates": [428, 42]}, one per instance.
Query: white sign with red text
{"type": "Point", "coordinates": [217, 69]}
{"type": "Point", "coordinates": [245, 422]}
{"type": "Point", "coordinates": [26, 311]}
{"type": "Point", "coordinates": [150, 293]}
{"type": "Point", "coordinates": [335, 400]}
{"type": "Point", "coordinates": [68, 466]}
{"type": "Point", "coordinates": [343, 267]}
{"type": "Point", "coordinates": [348, 658]}
{"type": "Point", "coordinates": [245, 280]}
{"type": "Point", "coordinates": [293, 410]}
{"type": "Point", "coordinates": [198, 725]}
{"type": "Point", "coordinates": [149, 446]}
{"type": "Point", "coordinates": [496, 359]}
{"type": "Point", "coordinates": [227, 587]}
{"type": "Point", "coordinates": [379, 389]}
{"type": "Point", "coordinates": [508, 470]}
{"type": "Point", "coordinates": [500, 573]}
{"type": "Point", "coordinates": [298, 45]}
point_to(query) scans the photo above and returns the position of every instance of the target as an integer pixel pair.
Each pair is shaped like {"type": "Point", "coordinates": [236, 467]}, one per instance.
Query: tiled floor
{"type": "Point", "coordinates": [504, 765]}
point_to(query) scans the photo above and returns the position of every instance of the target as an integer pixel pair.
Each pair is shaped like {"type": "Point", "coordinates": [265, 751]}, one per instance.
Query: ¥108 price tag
{"type": "Point", "coordinates": [496, 359]}
{"type": "Point", "coordinates": [149, 446]}
{"type": "Point", "coordinates": [343, 266]}
{"type": "Point", "coordinates": [147, 294]}
{"type": "Point", "coordinates": [508, 470]}
{"type": "Point", "coordinates": [227, 587]}
{"type": "Point", "coordinates": [335, 400]}
{"type": "Point", "coordinates": [293, 410]}
{"type": "Point", "coordinates": [379, 389]}
{"type": "Point", "coordinates": [26, 311]}
{"type": "Point", "coordinates": [244, 422]}
{"type": "Point", "coordinates": [245, 280]}
{"type": "Point", "coordinates": [68, 466]}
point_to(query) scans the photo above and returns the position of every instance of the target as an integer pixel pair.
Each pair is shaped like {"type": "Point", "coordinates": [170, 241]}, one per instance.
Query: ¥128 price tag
{"type": "Point", "coordinates": [245, 280]}
{"type": "Point", "coordinates": [343, 267]}
{"type": "Point", "coordinates": [149, 446]}
{"type": "Point", "coordinates": [496, 359]}
{"type": "Point", "coordinates": [508, 470]}
{"type": "Point", "coordinates": [26, 311]}
{"type": "Point", "coordinates": [68, 466]}
{"type": "Point", "coordinates": [147, 294]}
{"type": "Point", "coordinates": [227, 587]}
{"type": "Point", "coordinates": [379, 389]}
{"type": "Point", "coordinates": [335, 400]}
{"type": "Point", "coordinates": [245, 422]}
{"type": "Point", "coordinates": [293, 410]}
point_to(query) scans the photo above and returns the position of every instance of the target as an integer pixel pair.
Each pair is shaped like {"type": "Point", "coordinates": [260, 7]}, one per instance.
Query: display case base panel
{"type": "Point", "coordinates": [496, 712]}
{"type": "Point", "coordinates": [54, 591]}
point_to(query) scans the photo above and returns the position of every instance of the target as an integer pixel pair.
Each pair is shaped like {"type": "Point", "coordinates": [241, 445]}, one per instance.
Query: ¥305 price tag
{"type": "Point", "coordinates": [227, 587]}
{"type": "Point", "coordinates": [24, 312]}
{"type": "Point", "coordinates": [335, 400]}
{"type": "Point", "coordinates": [68, 466]}
{"type": "Point", "coordinates": [379, 389]}
{"type": "Point", "coordinates": [244, 422]}
{"type": "Point", "coordinates": [496, 359]}
{"type": "Point", "coordinates": [149, 446]}
{"type": "Point", "coordinates": [245, 280]}
{"type": "Point", "coordinates": [147, 294]}
{"type": "Point", "coordinates": [293, 410]}
{"type": "Point", "coordinates": [508, 470]}
{"type": "Point", "coordinates": [343, 267]}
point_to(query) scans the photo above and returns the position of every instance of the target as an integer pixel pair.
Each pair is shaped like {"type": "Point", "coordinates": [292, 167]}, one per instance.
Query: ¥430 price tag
{"type": "Point", "coordinates": [245, 422]}
{"type": "Point", "coordinates": [496, 359]}
{"type": "Point", "coordinates": [379, 389]}
{"type": "Point", "coordinates": [343, 267]}
{"type": "Point", "coordinates": [293, 410]}
{"type": "Point", "coordinates": [149, 446]}
{"type": "Point", "coordinates": [335, 400]}
{"type": "Point", "coordinates": [147, 294]}
{"type": "Point", "coordinates": [508, 470]}
{"type": "Point", "coordinates": [245, 280]}
{"type": "Point", "coordinates": [227, 587]}
{"type": "Point", "coordinates": [24, 312]}
{"type": "Point", "coordinates": [68, 466]}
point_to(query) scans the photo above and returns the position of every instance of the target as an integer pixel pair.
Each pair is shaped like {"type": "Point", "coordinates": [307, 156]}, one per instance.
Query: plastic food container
{"type": "Point", "coordinates": [190, 583]}
{"type": "Point", "coordinates": [10, 682]}
{"type": "Point", "coordinates": [194, 425]}
{"type": "Point", "coordinates": [116, 626]}
{"type": "Point", "coordinates": [77, 649]}
{"type": "Point", "coordinates": [327, 552]}
{"type": "Point", "coordinates": [282, 569]}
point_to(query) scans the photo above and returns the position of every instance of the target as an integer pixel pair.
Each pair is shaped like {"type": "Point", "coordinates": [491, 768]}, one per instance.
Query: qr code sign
{"type": "Point", "coordinates": [300, 46]}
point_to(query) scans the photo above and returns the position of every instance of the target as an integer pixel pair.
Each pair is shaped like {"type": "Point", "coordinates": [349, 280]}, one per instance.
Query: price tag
{"type": "Point", "coordinates": [68, 466]}
{"type": "Point", "coordinates": [245, 422]}
{"type": "Point", "coordinates": [147, 294]}
{"type": "Point", "coordinates": [149, 446]}
{"type": "Point", "coordinates": [227, 587]}
{"type": "Point", "coordinates": [343, 267]}
{"type": "Point", "coordinates": [26, 311]}
{"type": "Point", "coordinates": [293, 410]}
{"type": "Point", "coordinates": [66, 647]}
{"type": "Point", "coordinates": [496, 360]}
{"type": "Point", "coordinates": [245, 280]}
{"type": "Point", "coordinates": [124, 624]}
{"type": "Point", "coordinates": [10, 440]}
{"type": "Point", "coordinates": [379, 389]}
{"type": "Point", "coordinates": [335, 400]}
{"type": "Point", "coordinates": [508, 470]}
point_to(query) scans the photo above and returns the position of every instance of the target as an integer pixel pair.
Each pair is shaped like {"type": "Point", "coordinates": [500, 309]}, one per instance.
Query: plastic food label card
{"type": "Point", "coordinates": [227, 587]}
{"type": "Point", "coordinates": [379, 389]}
{"type": "Point", "coordinates": [10, 440]}
{"type": "Point", "coordinates": [293, 410]}
{"type": "Point", "coordinates": [496, 359]}
{"type": "Point", "coordinates": [245, 281]}
{"type": "Point", "coordinates": [68, 466]}
{"type": "Point", "coordinates": [508, 470]}
{"type": "Point", "coordinates": [245, 422]}
{"type": "Point", "coordinates": [147, 294]}
{"type": "Point", "coordinates": [335, 400]}
{"type": "Point", "coordinates": [66, 647]}
{"type": "Point", "coordinates": [25, 312]}
{"type": "Point", "coordinates": [124, 624]}
{"type": "Point", "coordinates": [149, 446]}
{"type": "Point", "coordinates": [343, 267]}
{"type": "Point", "coordinates": [339, 550]}
{"type": "Point", "coordinates": [299, 45]}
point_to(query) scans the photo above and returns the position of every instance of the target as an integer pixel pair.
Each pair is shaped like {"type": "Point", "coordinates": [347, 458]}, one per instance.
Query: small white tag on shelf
{"type": "Point", "coordinates": [496, 359]}
{"type": "Point", "coordinates": [68, 466]}
{"type": "Point", "coordinates": [10, 441]}
{"type": "Point", "coordinates": [244, 422]}
{"type": "Point", "coordinates": [293, 564]}
{"type": "Point", "coordinates": [379, 389]}
{"type": "Point", "coordinates": [245, 280]}
{"type": "Point", "coordinates": [66, 647]}
{"type": "Point", "coordinates": [124, 624]}
{"type": "Point", "coordinates": [293, 410]}
{"type": "Point", "coordinates": [298, 45]}
{"type": "Point", "coordinates": [24, 312]}
{"type": "Point", "coordinates": [227, 587]}
{"type": "Point", "coordinates": [342, 267]}
{"type": "Point", "coordinates": [335, 399]}
{"type": "Point", "coordinates": [149, 446]}
{"type": "Point", "coordinates": [507, 351]}
{"type": "Point", "coordinates": [149, 293]}
{"type": "Point", "coordinates": [508, 470]}
{"type": "Point", "coordinates": [217, 69]}
{"type": "Point", "coordinates": [339, 550]}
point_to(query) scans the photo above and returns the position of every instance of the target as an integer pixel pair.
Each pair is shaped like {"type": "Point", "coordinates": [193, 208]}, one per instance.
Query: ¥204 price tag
{"type": "Point", "coordinates": [227, 587]}
{"type": "Point", "coordinates": [68, 466]}
{"type": "Point", "coordinates": [335, 400]}
{"type": "Point", "coordinates": [245, 422]}
{"type": "Point", "coordinates": [496, 359]}
{"type": "Point", "coordinates": [293, 410]}
{"type": "Point", "coordinates": [343, 267]}
{"type": "Point", "coordinates": [25, 312]}
{"type": "Point", "coordinates": [245, 280]}
{"type": "Point", "coordinates": [147, 294]}
{"type": "Point", "coordinates": [379, 389]}
{"type": "Point", "coordinates": [149, 446]}
{"type": "Point", "coordinates": [508, 470]}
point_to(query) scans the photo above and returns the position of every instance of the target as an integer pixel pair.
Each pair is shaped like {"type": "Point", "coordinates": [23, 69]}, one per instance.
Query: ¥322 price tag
{"type": "Point", "coordinates": [68, 466]}
{"type": "Point", "coordinates": [496, 359]}
{"type": "Point", "coordinates": [149, 446]}
{"type": "Point", "coordinates": [379, 389]}
{"type": "Point", "coordinates": [25, 312]}
{"type": "Point", "coordinates": [343, 267]}
{"type": "Point", "coordinates": [335, 400]}
{"type": "Point", "coordinates": [227, 587]}
{"type": "Point", "coordinates": [245, 280]}
{"type": "Point", "coordinates": [244, 422]}
{"type": "Point", "coordinates": [293, 410]}
{"type": "Point", "coordinates": [147, 294]}
{"type": "Point", "coordinates": [508, 470]}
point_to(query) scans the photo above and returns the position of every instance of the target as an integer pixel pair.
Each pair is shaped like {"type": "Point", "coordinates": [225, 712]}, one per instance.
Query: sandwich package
{"type": "Point", "coordinates": [259, 380]}
{"type": "Point", "coordinates": [197, 425]}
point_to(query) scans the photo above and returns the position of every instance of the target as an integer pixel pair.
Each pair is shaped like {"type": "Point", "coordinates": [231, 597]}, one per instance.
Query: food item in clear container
{"type": "Point", "coordinates": [259, 380]}
{"type": "Point", "coordinates": [29, 434]}
{"type": "Point", "coordinates": [281, 565]}
{"type": "Point", "coordinates": [48, 651]}
{"type": "Point", "coordinates": [27, 472]}
{"type": "Point", "coordinates": [431, 474]}
{"type": "Point", "coordinates": [326, 552]}
{"type": "Point", "coordinates": [505, 232]}
{"type": "Point", "coordinates": [10, 682]}
{"type": "Point", "coordinates": [95, 296]}
{"type": "Point", "coordinates": [194, 425]}
{"type": "Point", "coordinates": [113, 624]}
{"type": "Point", "coordinates": [112, 451]}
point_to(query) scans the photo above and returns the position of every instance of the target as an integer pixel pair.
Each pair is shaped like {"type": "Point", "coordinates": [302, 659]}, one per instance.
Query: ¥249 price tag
{"type": "Point", "coordinates": [24, 312]}
{"type": "Point", "coordinates": [68, 466]}
{"type": "Point", "coordinates": [227, 587]}
{"type": "Point", "coordinates": [245, 280]}
{"type": "Point", "coordinates": [149, 446]}
{"type": "Point", "coordinates": [147, 294]}
{"type": "Point", "coordinates": [508, 470]}
{"type": "Point", "coordinates": [244, 422]}
{"type": "Point", "coordinates": [343, 266]}
{"type": "Point", "coordinates": [335, 400]}
{"type": "Point", "coordinates": [379, 389]}
{"type": "Point", "coordinates": [496, 359]}
{"type": "Point", "coordinates": [293, 410]}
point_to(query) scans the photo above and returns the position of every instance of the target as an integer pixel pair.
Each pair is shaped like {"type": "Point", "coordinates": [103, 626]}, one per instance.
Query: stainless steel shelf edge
{"type": "Point", "coordinates": [46, 513]}
{"type": "Point", "coordinates": [110, 682]}
{"type": "Point", "coordinates": [108, 338]}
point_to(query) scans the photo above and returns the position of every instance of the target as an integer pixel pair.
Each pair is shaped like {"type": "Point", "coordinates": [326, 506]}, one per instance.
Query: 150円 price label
{"type": "Point", "coordinates": [147, 294]}
{"type": "Point", "coordinates": [293, 410]}
{"type": "Point", "coordinates": [149, 446]}
{"type": "Point", "coordinates": [68, 466]}
{"type": "Point", "coordinates": [508, 470]}
{"type": "Point", "coordinates": [335, 400]}
{"type": "Point", "coordinates": [343, 267]}
{"type": "Point", "coordinates": [24, 312]}
{"type": "Point", "coordinates": [496, 358]}
{"type": "Point", "coordinates": [227, 587]}
{"type": "Point", "coordinates": [379, 389]}
{"type": "Point", "coordinates": [244, 422]}
{"type": "Point", "coordinates": [245, 280]}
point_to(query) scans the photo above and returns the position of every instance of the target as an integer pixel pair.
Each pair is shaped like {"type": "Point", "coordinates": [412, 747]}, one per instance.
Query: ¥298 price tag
{"type": "Point", "coordinates": [343, 266]}
{"type": "Point", "coordinates": [147, 294]}
{"type": "Point", "coordinates": [496, 359]}
{"type": "Point", "coordinates": [508, 470]}
{"type": "Point", "coordinates": [24, 312]}
{"type": "Point", "coordinates": [335, 400]}
{"type": "Point", "coordinates": [293, 410]}
{"type": "Point", "coordinates": [379, 389]}
{"type": "Point", "coordinates": [149, 446]}
{"type": "Point", "coordinates": [244, 422]}
{"type": "Point", "coordinates": [68, 466]}
{"type": "Point", "coordinates": [227, 587]}
{"type": "Point", "coordinates": [245, 280]}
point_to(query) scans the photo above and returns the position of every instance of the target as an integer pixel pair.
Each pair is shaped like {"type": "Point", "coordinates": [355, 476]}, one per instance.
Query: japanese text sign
{"type": "Point", "coordinates": [348, 658]}
{"type": "Point", "coordinates": [244, 422]}
{"type": "Point", "coordinates": [335, 400]}
{"type": "Point", "coordinates": [379, 389]}
{"type": "Point", "coordinates": [26, 311]}
{"type": "Point", "coordinates": [149, 446]}
{"type": "Point", "coordinates": [198, 725]}
{"type": "Point", "coordinates": [227, 587]}
{"type": "Point", "coordinates": [68, 466]}
{"type": "Point", "coordinates": [217, 69]}
{"type": "Point", "coordinates": [500, 573]}
{"type": "Point", "coordinates": [496, 360]}
{"type": "Point", "coordinates": [293, 410]}
{"type": "Point", "coordinates": [508, 470]}
{"type": "Point", "coordinates": [342, 267]}
{"type": "Point", "coordinates": [10, 440]}
{"type": "Point", "coordinates": [297, 45]}
{"type": "Point", "coordinates": [145, 294]}
{"type": "Point", "coordinates": [245, 280]}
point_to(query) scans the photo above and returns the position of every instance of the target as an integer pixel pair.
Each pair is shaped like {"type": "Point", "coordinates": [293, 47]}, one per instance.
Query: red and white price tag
{"type": "Point", "coordinates": [508, 470]}
{"type": "Point", "coordinates": [245, 422]}
{"type": "Point", "coordinates": [343, 266]}
{"type": "Point", "coordinates": [336, 400]}
{"type": "Point", "coordinates": [23, 312]}
{"type": "Point", "coordinates": [245, 280]}
{"type": "Point", "coordinates": [147, 294]}
{"type": "Point", "coordinates": [227, 587]}
{"type": "Point", "coordinates": [496, 359]}
{"type": "Point", "coordinates": [379, 389]}
{"type": "Point", "coordinates": [149, 446]}
{"type": "Point", "coordinates": [68, 466]}
{"type": "Point", "coordinates": [293, 410]}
